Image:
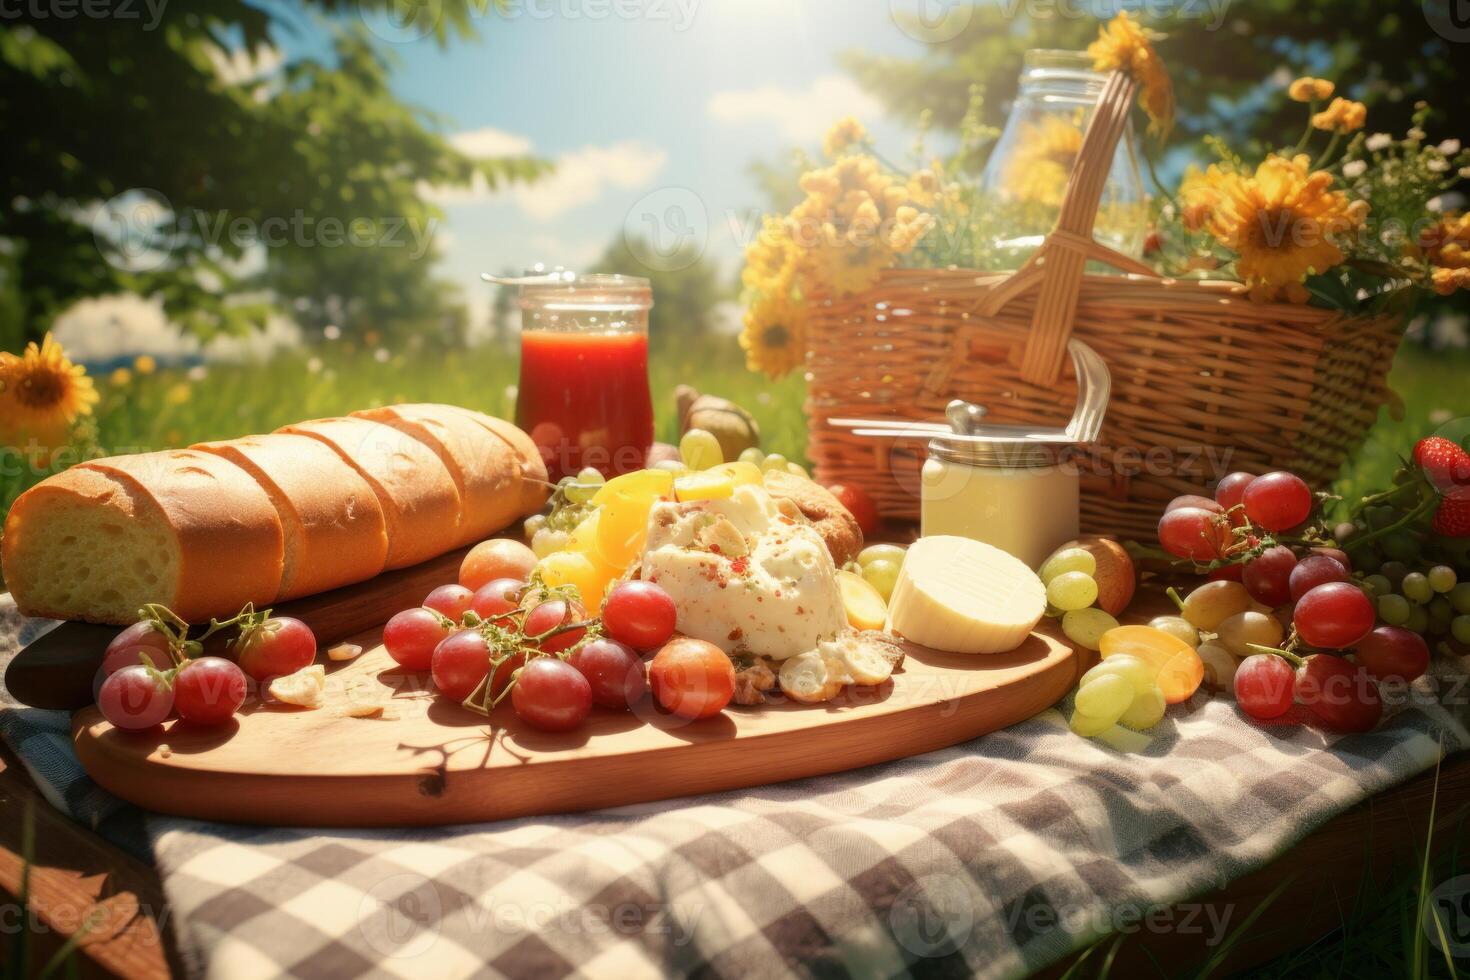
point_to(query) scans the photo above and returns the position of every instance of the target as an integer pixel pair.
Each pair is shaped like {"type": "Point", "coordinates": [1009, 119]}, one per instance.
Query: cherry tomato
{"type": "Point", "coordinates": [209, 690]}
{"type": "Point", "coordinates": [141, 637]}
{"type": "Point", "coordinates": [552, 695]}
{"type": "Point", "coordinates": [451, 600]}
{"type": "Point", "coordinates": [135, 698]}
{"type": "Point", "coordinates": [496, 598]}
{"type": "Point", "coordinates": [411, 636]}
{"type": "Point", "coordinates": [1342, 696]}
{"type": "Point", "coordinates": [460, 663]}
{"type": "Point", "coordinates": [496, 558]}
{"type": "Point", "coordinates": [615, 671]}
{"type": "Point", "coordinates": [692, 678]}
{"type": "Point", "coordinates": [640, 614]}
{"type": "Point", "coordinates": [1392, 653]}
{"type": "Point", "coordinates": [858, 503]}
{"type": "Point", "coordinates": [281, 645]}
{"type": "Point", "coordinates": [551, 614]}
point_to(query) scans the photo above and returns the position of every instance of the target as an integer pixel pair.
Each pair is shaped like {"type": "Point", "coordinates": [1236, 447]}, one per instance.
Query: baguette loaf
{"type": "Point", "coordinates": [315, 506]}
{"type": "Point", "coordinates": [334, 527]}
{"type": "Point", "coordinates": [184, 528]}
{"type": "Point", "coordinates": [420, 502]}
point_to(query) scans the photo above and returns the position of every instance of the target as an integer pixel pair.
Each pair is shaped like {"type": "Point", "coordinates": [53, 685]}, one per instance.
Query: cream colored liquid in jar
{"type": "Point", "coordinates": [1026, 510]}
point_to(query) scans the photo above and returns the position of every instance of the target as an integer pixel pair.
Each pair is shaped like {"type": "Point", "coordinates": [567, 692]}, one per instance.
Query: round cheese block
{"type": "Point", "coordinates": [964, 596]}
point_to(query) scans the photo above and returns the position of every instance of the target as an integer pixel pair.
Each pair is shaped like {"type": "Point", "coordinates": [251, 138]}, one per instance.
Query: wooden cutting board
{"type": "Point", "coordinates": [434, 762]}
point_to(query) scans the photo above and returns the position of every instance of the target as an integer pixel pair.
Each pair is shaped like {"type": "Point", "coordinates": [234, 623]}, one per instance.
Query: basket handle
{"type": "Point", "coordinates": [1064, 254]}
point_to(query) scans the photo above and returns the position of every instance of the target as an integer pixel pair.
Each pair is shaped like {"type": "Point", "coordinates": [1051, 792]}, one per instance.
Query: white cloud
{"type": "Point", "coordinates": [104, 329]}
{"type": "Point", "coordinates": [490, 142]}
{"type": "Point", "coordinates": [554, 250]}
{"type": "Point", "coordinates": [803, 115]}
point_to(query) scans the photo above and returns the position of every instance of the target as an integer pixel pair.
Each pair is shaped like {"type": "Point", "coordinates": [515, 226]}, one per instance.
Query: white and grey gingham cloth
{"type": "Point", "coordinates": [993, 858]}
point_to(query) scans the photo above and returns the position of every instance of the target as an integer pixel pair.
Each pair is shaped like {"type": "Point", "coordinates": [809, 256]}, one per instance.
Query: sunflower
{"type": "Point", "coordinates": [771, 259]}
{"type": "Point", "coordinates": [1341, 116]}
{"type": "Point", "coordinates": [42, 393]}
{"type": "Point", "coordinates": [1282, 222]}
{"type": "Point", "coordinates": [1123, 45]}
{"type": "Point", "coordinates": [1037, 172]}
{"type": "Point", "coordinates": [774, 337]}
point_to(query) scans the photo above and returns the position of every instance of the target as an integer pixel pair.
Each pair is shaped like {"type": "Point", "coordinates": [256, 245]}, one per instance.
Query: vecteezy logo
{"type": "Point", "coordinates": [1446, 918]}
{"type": "Point", "coordinates": [931, 21]}
{"type": "Point", "coordinates": [399, 916]}
{"type": "Point", "coordinates": [1450, 19]}
{"type": "Point", "coordinates": [667, 229]}
{"type": "Point", "coordinates": [133, 230]}
{"type": "Point", "coordinates": [401, 21]}
{"type": "Point", "coordinates": [933, 916]}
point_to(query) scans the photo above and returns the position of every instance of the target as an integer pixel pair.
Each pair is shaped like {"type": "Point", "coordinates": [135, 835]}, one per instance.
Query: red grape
{"type": "Point", "coordinates": [209, 690]}
{"type": "Point", "coordinates": [144, 637]}
{"type": "Point", "coordinates": [1277, 501]}
{"type": "Point", "coordinates": [1227, 573]}
{"type": "Point", "coordinates": [1392, 653]}
{"type": "Point", "coordinates": [496, 558]}
{"type": "Point", "coordinates": [1334, 616]}
{"type": "Point", "coordinates": [460, 663]}
{"type": "Point", "coordinates": [1263, 686]}
{"type": "Point", "coordinates": [1229, 492]}
{"type": "Point", "coordinates": [692, 678]}
{"type": "Point", "coordinates": [614, 670]}
{"type": "Point", "coordinates": [1342, 696]}
{"type": "Point", "coordinates": [1315, 570]}
{"type": "Point", "coordinates": [1337, 553]}
{"type": "Point", "coordinates": [551, 695]}
{"type": "Point", "coordinates": [548, 616]}
{"type": "Point", "coordinates": [640, 614]}
{"type": "Point", "coordinates": [496, 598]}
{"type": "Point", "coordinates": [1192, 532]}
{"type": "Point", "coordinates": [1267, 577]}
{"type": "Point", "coordinates": [277, 647]}
{"type": "Point", "coordinates": [411, 636]}
{"type": "Point", "coordinates": [1194, 500]}
{"type": "Point", "coordinates": [451, 600]}
{"type": "Point", "coordinates": [135, 698]}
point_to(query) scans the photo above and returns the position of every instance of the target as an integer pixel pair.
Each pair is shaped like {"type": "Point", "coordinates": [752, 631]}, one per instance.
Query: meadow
{"type": "Point", "coordinates": [169, 407]}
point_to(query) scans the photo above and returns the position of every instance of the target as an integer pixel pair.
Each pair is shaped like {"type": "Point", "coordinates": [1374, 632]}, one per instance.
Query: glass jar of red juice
{"type": "Point", "coordinates": [583, 394]}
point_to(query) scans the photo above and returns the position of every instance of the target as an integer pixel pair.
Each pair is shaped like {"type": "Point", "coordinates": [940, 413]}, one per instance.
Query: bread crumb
{"type": "Point", "coordinates": [344, 651]}
{"type": "Point", "coordinates": [306, 688]}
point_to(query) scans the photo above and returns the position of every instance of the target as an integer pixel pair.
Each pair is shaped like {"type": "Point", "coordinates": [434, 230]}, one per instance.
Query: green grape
{"type": "Point", "coordinates": [1418, 620]}
{"type": "Point", "coordinates": [1107, 697]}
{"type": "Point", "coordinates": [1085, 627]}
{"type": "Point", "coordinates": [775, 461]}
{"type": "Point", "coordinates": [1460, 628]}
{"type": "Point", "coordinates": [1068, 560]}
{"type": "Point", "coordinates": [1176, 626]}
{"type": "Point", "coordinates": [1211, 604]}
{"type": "Point", "coordinates": [1393, 609]}
{"type": "Point", "coordinates": [674, 466]}
{"type": "Point", "coordinates": [1415, 588]}
{"type": "Point", "coordinates": [1071, 590]}
{"type": "Point", "coordinates": [1344, 531]}
{"type": "Point", "coordinates": [1146, 711]}
{"type": "Point", "coordinates": [881, 575]}
{"type": "Point", "coordinates": [592, 475]}
{"type": "Point", "coordinates": [754, 455]}
{"type": "Point", "coordinates": [700, 449]}
{"type": "Point", "coordinates": [1135, 670]}
{"type": "Point", "coordinates": [1460, 597]}
{"type": "Point", "coordinates": [547, 540]}
{"type": "Point", "coordinates": [1249, 627]}
{"type": "Point", "coordinates": [1379, 585]}
{"type": "Point", "coordinates": [796, 469]}
{"type": "Point", "coordinates": [1220, 666]}
{"type": "Point", "coordinates": [1088, 726]}
{"type": "Point", "coordinates": [882, 552]}
{"type": "Point", "coordinates": [1442, 578]}
{"type": "Point", "coordinates": [1394, 571]}
{"type": "Point", "coordinates": [1440, 614]}
{"type": "Point", "coordinates": [533, 524]}
{"type": "Point", "coordinates": [581, 493]}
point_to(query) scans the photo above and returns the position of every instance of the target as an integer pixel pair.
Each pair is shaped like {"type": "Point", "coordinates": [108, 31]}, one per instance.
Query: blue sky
{"type": "Point", "coordinates": [683, 96]}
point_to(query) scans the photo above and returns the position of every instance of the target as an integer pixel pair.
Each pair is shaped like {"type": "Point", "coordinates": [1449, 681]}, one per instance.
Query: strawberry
{"type": "Point", "coordinates": [1445, 463]}
{"type": "Point", "coordinates": [1452, 519]}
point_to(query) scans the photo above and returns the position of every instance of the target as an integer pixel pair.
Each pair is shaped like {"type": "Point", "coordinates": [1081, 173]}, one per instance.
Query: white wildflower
{"type": "Point", "coordinates": [332, 331]}
{"type": "Point", "coordinates": [1449, 147]}
{"type": "Point", "coordinates": [1438, 166]}
{"type": "Point", "coordinates": [1354, 169]}
{"type": "Point", "coordinates": [1416, 133]}
{"type": "Point", "coordinates": [381, 355]}
{"type": "Point", "coordinates": [314, 365]}
{"type": "Point", "coordinates": [1379, 141]}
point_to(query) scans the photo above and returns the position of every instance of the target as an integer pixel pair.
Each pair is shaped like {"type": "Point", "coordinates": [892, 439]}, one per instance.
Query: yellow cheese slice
{"type": "Point", "coordinates": [964, 596]}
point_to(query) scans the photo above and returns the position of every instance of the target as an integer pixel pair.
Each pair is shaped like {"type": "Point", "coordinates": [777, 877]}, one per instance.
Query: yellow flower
{"type": "Point", "coordinates": [120, 376]}
{"type": "Point", "coordinates": [771, 259]}
{"type": "Point", "coordinates": [1199, 195]}
{"type": "Point", "coordinates": [1037, 172]}
{"type": "Point", "coordinates": [1309, 89]}
{"type": "Point", "coordinates": [41, 393]}
{"type": "Point", "coordinates": [145, 364]}
{"type": "Point", "coordinates": [1447, 243]}
{"type": "Point", "coordinates": [1123, 45]}
{"type": "Point", "coordinates": [178, 394]}
{"type": "Point", "coordinates": [844, 133]}
{"type": "Point", "coordinates": [774, 337]}
{"type": "Point", "coordinates": [923, 188]}
{"type": "Point", "coordinates": [1283, 221]}
{"type": "Point", "coordinates": [1341, 116]}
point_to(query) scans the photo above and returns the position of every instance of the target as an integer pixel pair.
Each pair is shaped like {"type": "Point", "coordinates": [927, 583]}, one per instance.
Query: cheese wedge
{"type": "Point", "coordinates": [964, 596]}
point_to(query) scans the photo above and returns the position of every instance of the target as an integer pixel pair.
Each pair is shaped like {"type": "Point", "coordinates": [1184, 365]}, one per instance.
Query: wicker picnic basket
{"type": "Point", "coordinates": [1205, 381]}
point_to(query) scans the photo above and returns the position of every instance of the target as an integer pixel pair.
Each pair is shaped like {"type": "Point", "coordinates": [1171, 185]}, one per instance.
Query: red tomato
{"type": "Point", "coordinates": [691, 678]}
{"type": "Point", "coordinates": [858, 503]}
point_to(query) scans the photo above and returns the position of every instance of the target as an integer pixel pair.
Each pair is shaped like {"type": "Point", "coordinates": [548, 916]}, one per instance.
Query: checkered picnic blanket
{"type": "Point", "coordinates": [993, 858]}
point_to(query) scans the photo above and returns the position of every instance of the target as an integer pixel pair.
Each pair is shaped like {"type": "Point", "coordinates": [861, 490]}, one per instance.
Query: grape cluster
{"type": "Point", "coordinates": [1071, 591]}
{"type": "Point", "coordinates": [571, 504]}
{"type": "Point", "coordinates": [1144, 669]}
{"type": "Point", "coordinates": [879, 565]}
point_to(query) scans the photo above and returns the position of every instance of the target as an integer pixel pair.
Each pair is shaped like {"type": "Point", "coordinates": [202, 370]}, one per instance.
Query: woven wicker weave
{"type": "Point", "coordinates": [1204, 380]}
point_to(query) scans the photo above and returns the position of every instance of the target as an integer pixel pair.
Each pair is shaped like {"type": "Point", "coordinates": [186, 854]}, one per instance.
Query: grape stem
{"type": "Point", "coordinates": [1357, 542]}
{"type": "Point", "coordinates": [1173, 593]}
{"type": "Point", "coordinates": [1286, 655]}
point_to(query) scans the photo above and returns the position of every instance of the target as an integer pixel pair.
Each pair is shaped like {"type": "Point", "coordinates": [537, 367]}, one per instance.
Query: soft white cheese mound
{"type": "Point", "coordinates": [744, 576]}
